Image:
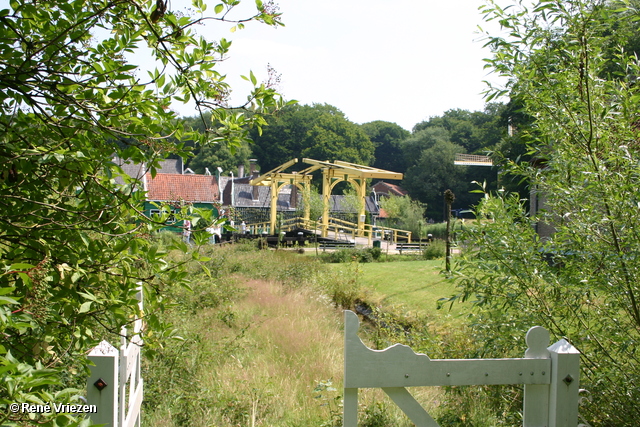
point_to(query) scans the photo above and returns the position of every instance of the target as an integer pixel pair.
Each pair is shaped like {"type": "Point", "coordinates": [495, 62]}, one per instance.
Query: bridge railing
{"type": "Point", "coordinates": [341, 229]}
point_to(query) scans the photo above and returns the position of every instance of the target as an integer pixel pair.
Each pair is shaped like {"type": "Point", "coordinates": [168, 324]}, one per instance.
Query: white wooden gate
{"type": "Point", "coordinates": [115, 385]}
{"type": "Point", "coordinates": [550, 376]}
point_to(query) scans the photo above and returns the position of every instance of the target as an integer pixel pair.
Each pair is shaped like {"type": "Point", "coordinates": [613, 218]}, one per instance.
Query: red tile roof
{"type": "Point", "coordinates": [190, 188]}
{"type": "Point", "coordinates": [386, 188]}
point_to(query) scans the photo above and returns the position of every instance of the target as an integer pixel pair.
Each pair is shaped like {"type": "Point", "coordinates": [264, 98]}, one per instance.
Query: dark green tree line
{"type": "Point", "coordinates": [424, 156]}
{"type": "Point", "coordinates": [430, 151]}
{"type": "Point", "coordinates": [387, 139]}
{"type": "Point", "coordinates": [213, 156]}
{"type": "Point", "coordinates": [320, 132]}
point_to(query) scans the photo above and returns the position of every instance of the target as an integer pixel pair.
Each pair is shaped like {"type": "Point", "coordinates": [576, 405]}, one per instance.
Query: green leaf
{"type": "Point", "coordinates": [8, 300]}
{"type": "Point", "coordinates": [20, 266]}
{"type": "Point", "coordinates": [85, 307]}
{"type": "Point", "coordinates": [88, 296]}
{"type": "Point", "coordinates": [7, 290]}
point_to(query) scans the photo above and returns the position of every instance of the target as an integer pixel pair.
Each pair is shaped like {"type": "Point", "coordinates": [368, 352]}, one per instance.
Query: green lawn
{"type": "Point", "coordinates": [417, 285]}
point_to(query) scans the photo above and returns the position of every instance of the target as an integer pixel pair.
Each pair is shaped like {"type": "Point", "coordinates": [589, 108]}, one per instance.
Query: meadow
{"type": "Point", "coordinates": [416, 286]}
{"type": "Point", "coordinates": [261, 340]}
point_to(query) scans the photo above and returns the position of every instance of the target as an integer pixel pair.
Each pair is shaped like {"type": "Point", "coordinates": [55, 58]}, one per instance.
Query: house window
{"type": "Point", "coordinates": [159, 212]}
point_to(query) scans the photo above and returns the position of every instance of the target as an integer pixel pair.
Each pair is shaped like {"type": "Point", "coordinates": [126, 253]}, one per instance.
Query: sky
{"type": "Point", "coordinates": [402, 61]}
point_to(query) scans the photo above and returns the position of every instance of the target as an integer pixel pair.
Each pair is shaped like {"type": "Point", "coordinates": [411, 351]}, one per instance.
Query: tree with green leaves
{"type": "Point", "coordinates": [220, 156]}
{"type": "Point", "coordinates": [404, 213]}
{"type": "Point", "coordinates": [213, 156]}
{"type": "Point", "coordinates": [474, 130]}
{"type": "Point", "coordinates": [317, 131]}
{"type": "Point", "coordinates": [424, 139]}
{"type": "Point", "coordinates": [387, 139]}
{"type": "Point", "coordinates": [430, 152]}
{"type": "Point", "coordinates": [432, 172]}
{"type": "Point", "coordinates": [74, 245]}
{"type": "Point", "coordinates": [582, 281]}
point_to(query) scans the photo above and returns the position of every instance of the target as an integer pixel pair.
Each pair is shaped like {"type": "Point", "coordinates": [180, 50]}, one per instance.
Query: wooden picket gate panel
{"type": "Point", "coordinates": [550, 376]}
{"type": "Point", "coordinates": [115, 385]}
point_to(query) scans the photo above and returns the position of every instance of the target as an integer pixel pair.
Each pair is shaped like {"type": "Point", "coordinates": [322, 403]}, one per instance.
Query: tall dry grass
{"type": "Point", "coordinates": [294, 343]}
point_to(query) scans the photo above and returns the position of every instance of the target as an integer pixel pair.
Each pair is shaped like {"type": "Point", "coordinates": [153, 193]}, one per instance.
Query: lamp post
{"type": "Point", "coordinates": [449, 197]}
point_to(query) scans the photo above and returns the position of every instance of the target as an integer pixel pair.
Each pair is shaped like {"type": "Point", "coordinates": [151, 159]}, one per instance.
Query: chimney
{"type": "Point", "coordinates": [241, 171]}
{"type": "Point", "coordinates": [253, 174]}
{"type": "Point", "coordinates": [252, 167]}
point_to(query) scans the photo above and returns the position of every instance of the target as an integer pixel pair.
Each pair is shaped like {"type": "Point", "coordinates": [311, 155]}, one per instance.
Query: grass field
{"type": "Point", "coordinates": [262, 346]}
{"type": "Point", "coordinates": [262, 341]}
{"type": "Point", "coordinates": [415, 285]}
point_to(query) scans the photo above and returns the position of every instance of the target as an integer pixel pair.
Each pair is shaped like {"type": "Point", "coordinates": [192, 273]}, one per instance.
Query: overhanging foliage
{"type": "Point", "coordinates": [73, 243]}
{"type": "Point", "coordinates": [582, 281]}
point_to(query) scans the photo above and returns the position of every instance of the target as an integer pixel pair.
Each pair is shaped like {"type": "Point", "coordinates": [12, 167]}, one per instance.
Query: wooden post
{"type": "Point", "coordinates": [326, 201]}
{"type": "Point", "coordinates": [274, 206]}
{"type": "Point", "coordinates": [350, 408]}
{"type": "Point", "coordinates": [361, 191]}
{"type": "Point", "coordinates": [564, 388]}
{"type": "Point", "coordinates": [536, 396]}
{"type": "Point", "coordinates": [105, 372]}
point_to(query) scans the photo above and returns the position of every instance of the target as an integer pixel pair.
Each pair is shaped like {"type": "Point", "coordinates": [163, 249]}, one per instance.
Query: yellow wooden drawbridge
{"type": "Point", "coordinates": [332, 173]}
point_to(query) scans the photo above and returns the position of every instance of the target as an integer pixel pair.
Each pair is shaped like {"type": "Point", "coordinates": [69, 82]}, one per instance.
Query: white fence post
{"type": "Point", "coordinates": [107, 384]}
{"type": "Point", "coordinates": [129, 412]}
{"type": "Point", "coordinates": [565, 382]}
{"type": "Point", "coordinates": [102, 385]}
{"type": "Point", "coordinates": [536, 396]}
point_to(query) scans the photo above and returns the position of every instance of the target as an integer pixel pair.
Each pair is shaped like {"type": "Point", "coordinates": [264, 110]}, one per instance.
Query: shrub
{"type": "Point", "coordinates": [404, 213]}
{"type": "Point", "coordinates": [435, 250]}
{"type": "Point", "coordinates": [375, 253]}
{"type": "Point", "coordinates": [377, 414]}
{"type": "Point", "coordinates": [350, 255]}
{"type": "Point", "coordinates": [339, 256]}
